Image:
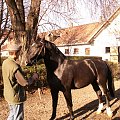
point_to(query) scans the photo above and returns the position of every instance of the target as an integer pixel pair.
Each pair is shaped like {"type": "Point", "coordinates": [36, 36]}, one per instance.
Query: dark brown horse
{"type": "Point", "coordinates": [64, 75]}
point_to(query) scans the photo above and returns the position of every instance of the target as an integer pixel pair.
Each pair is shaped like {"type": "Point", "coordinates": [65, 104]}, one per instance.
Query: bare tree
{"type": "Point", "coordinates": [43, 13]}
{"type": "Point", "coordinates": [24, 25]}
{"type": "Point", "coordinates": [4, 22]}
{"type": "Point", "coordinates": [54, 11]}
{"type": "Point", "coordinates": [25, 30]}
{"type": "Point", "coordinates": [102, 7]}
{"type": "Point", "coordinates": [50, 13]}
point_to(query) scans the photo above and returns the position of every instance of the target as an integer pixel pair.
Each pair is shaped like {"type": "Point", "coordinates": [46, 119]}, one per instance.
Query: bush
{"type": "Point", "coordinates": [82, 57]}
{"type": "Point", "coordinates": [115, 70]}
{"type": "Point", "coordinates": [40, 69]}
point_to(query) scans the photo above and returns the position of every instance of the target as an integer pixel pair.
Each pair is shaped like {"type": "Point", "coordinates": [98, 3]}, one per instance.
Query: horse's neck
{"type": "Point", "coordinates": [52, 64]}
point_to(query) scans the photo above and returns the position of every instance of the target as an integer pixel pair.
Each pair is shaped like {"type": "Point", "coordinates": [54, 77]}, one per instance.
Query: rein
{"type": "Point", "coordinates": [39, 52]}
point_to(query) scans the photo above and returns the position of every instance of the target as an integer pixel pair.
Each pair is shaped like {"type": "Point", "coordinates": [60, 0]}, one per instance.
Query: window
{"type": "Point", "coordinates": [107, 50]}
{"type": "Point", "coordinates": [87, 51]}
{"type": "Point", "coordinates": [66, 51]}
{"type": "Point", "coordinates": [76, 51]}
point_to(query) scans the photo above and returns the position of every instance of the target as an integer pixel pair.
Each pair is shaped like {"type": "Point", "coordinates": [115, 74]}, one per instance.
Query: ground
{"type": "Point", "coordinates": [85, 103]}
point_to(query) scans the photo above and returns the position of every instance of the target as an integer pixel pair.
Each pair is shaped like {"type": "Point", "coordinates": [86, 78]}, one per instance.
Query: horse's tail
{"type": "Point", "coordinates": [110, 82]}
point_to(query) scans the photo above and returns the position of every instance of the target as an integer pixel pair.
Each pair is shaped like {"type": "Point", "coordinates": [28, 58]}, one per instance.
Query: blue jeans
{"type": "Point", "coordinates": [16, 112]}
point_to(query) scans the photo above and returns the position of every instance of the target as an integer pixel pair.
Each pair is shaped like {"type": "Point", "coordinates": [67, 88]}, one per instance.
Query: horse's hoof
{"type": "Point", "coordinates": [98, 111]}
{"type": "Point", "coordinates": [72, 118]}
{"type": "Point", "coordinates": [52, 118]}
{"type": "Point", "coordinates": [100, 107]}
{"type": "Point", "coordinates": [109, 112]}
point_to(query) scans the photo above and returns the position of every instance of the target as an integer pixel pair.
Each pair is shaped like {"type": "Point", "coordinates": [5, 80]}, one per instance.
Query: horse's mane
{"type": "Point", "coordinates": [50, 46]}
{"type": "Point", "coordinates": [53, 48]}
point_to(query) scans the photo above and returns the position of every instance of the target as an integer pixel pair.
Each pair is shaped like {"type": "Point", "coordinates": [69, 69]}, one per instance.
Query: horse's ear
{"type": "Point", "coordinates": [39, 40]}
{"type": "Point", "coordinates": [42, 41]}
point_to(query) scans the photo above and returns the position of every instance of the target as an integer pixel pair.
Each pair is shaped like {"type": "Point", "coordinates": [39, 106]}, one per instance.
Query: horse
{"type": "Point", "coordinates": [65, 75]}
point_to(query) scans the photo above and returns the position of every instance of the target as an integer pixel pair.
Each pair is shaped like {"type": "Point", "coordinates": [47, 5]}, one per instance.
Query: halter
{"type": "Point", "coordinates": [39, 52]}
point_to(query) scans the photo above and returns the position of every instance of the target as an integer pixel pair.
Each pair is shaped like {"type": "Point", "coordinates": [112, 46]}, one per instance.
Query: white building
{"type": "Point", "coordinates": [100, 39]}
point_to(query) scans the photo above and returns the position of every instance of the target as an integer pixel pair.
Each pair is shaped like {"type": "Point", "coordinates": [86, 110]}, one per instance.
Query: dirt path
{"type": "Point", "coordinates": [84, 104]}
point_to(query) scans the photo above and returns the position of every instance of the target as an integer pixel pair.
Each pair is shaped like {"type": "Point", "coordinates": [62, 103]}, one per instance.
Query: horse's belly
{"type": "Point", "coordinates": [82, 83]}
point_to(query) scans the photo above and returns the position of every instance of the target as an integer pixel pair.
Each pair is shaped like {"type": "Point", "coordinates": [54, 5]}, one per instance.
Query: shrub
{"type": "Point", "coordinates": [115, 70]}
{"type": "Point", "coordinates": [40, 69]}
{"type": "Point", "coordinates": [82, 57]}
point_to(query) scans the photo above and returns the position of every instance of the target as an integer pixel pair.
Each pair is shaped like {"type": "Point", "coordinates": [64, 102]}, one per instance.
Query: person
{"type": "Point", "coordinates": [14, 83]}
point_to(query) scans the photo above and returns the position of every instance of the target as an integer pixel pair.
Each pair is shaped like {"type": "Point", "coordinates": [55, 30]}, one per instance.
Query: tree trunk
{"type": "Point", "coordinates": [32, 20]}
{"type": "Point", "coordinates": [25, 31]}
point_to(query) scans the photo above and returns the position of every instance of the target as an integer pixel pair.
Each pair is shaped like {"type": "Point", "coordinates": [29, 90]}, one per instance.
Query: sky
{"type": "Point", "coordinates": [83, 16]}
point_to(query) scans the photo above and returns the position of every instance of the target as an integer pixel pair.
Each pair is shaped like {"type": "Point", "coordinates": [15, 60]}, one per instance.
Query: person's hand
{"type": "Point", "coordinates": [32, 79]}
{"type": "Point", "coordinates": [35, 76]}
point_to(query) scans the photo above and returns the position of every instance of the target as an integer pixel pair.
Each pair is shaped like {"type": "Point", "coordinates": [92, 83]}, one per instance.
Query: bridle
{"type": "Point", "coordinates": [39, 52]}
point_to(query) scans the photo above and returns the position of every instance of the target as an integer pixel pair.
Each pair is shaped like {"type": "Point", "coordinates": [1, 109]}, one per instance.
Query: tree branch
{"type": "Point", "coordinates": [17, 23]}
{"type": "Point", "coordinates": [32, 19]}
{"type": "Point", "coordinates": [5, 38]}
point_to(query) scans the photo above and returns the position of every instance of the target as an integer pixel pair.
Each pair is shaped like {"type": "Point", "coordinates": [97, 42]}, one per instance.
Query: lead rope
{"type": "Point", "coordinates": [35, 69]}
{"type": "Point", "coordinates": [40, 52]}
{"type": "Point", "coordinates": [38, 87]}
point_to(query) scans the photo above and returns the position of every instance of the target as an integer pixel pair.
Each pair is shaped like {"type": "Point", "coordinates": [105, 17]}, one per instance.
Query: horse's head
{"type": "Point", "coordinates": [35, 52]}
{"type": "Point", "coordinates": [42, 48]}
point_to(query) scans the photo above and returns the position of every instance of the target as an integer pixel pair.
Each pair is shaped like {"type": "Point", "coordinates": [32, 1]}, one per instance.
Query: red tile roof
{"type": "Point", "coordinates": [78, 34]}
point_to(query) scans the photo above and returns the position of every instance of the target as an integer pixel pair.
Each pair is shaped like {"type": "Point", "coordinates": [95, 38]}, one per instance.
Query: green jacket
{"type": "Point", "coordinates": [14, 93]}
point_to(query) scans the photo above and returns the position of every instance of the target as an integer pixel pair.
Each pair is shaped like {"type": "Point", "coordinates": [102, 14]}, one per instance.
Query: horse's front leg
{"type": "Point", "coordinates": [54, 94]}
{"type": "Point", "coordinates": [68, 97]}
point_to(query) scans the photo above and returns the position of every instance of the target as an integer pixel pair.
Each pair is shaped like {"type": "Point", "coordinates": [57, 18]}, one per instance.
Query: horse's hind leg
{"type": "Point", "coordinates": [68, 97]}
{"type": "Point", "coordinates": [54, 94]}
{"type": "Point", "coordinates": [99, 94]}
{"type": "Point", "coordinates": [108, 109]}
